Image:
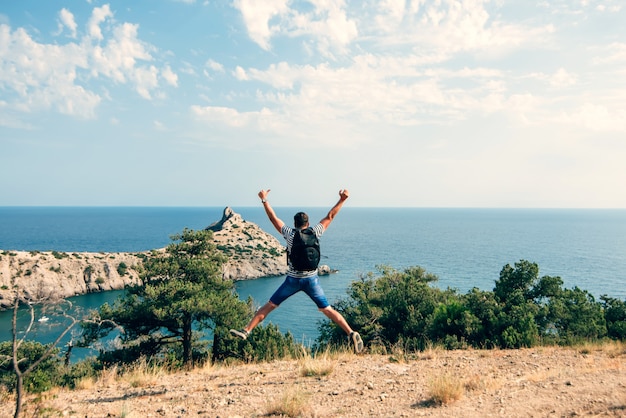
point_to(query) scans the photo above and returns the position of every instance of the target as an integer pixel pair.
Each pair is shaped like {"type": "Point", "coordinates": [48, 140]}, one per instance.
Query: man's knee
{"type": "Point", "coordinates": [268, 307]}
{"type": "Point", "coordinates": [328, 310]}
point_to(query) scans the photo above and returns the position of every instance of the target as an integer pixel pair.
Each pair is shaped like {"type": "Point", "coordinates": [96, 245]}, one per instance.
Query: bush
{"type": "Point", "coordinates": [577, 316]}
{"type": "Point", "coordinates": [122, 268]}
{"type": "Point", "coordinates": [79, 371]}
{"type": "Point", "coordinates": [266, 343]}
{"type": "Point", "coordinates": [615, 316]}
{"type": "Point", "coordinates": [59, 255]}
{"type": "Point", "coordinates": [42, 378]}
{"type": "Point", "coordinates": [396, 306]}
{"type": "Point", "coordinates": [524, 310]}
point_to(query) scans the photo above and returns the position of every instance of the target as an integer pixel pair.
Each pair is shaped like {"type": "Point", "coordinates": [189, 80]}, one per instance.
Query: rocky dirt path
{"type": "Point", "coordinates": [538, 382]}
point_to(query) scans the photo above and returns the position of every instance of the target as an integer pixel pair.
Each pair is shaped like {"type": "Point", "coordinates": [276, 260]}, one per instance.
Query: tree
{"type": "Point", "coordinates": [27, 357]}
{"type": "Point", "coordinates": [395, 307]}
{"type": "Point", "coordinates": [615, 315]}
{"type": "Point", "coordinates": [183, 290]}
{"type": "Point", "coordinates": [578, 316]}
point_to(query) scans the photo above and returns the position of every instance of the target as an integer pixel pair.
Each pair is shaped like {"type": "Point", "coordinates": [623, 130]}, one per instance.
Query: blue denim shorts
{"type": "Point", "coordinates": [309, 285]}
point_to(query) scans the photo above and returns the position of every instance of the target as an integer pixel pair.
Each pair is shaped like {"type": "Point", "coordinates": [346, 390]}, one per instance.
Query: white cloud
{"type": "Point", "coordinates": [170, 76]}
{"type": "Point", "coordinates": [58, 76]}
{"type": "Point", "coordinates": [407, 76]}
{"type": "Point", "coordinates": [325, 23]}
{"type": "Point", "coordinates": [117, 57]}
{"type": "Point", "coordinates": [67, 20]}
{"type": "Point", "coordinates": [229, 116]}
{"type": "Point", "coordinates": [609, 54]}
{"type": "Point", "coordinates": [562, 79]}
{"type": "Point", "coordinates": [99, 15]}
{"type": "Point", "coordinates": [597, 118]}
{"type": "Point", "coordinates": [145, 80]}
{"type": "Point", "coordinates": [215, 66]}
{"type": "Point", "coordinates": [257, 16]}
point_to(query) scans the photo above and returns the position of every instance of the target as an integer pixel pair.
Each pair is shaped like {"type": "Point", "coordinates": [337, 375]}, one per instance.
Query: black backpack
{"type": "Point", "coordinates": [305, 250]}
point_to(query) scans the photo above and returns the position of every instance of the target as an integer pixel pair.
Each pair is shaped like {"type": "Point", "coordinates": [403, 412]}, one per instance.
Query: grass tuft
{"type": "Point", "coordinates": [143, 374]}
{"type": "Point", "coordinates": [293, 403]}
{"type": "Point", "coordinates": [322, 364]}
{"type": "Point", "coordinates": [445, 389]}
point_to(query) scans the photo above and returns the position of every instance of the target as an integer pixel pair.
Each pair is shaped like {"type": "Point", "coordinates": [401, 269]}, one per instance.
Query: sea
{"type": "Point", "coordinates": [464, 248]}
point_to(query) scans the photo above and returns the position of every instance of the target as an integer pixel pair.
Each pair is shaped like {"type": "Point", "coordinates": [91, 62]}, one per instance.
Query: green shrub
{"type": "Point", "coordinates": [265, 344]}
{"type": "Point", "coordinates": [71, 375]}
{"type": "Point", "coordinates": [59, 255]}
{"type": "Point", "coordinates": [122, 268]}
{"type": "Point", "coordinates": [615, 316]}
{"type": "Point", "coordinates": [45, 376]}
{"type": "Point", "coordinates": [524, 310]}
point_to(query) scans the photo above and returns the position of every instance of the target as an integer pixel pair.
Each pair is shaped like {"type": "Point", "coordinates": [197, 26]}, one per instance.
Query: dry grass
{"type": "Point", "coordinates": [445, 389]}
{"type": "Point", "coordinates": [5, 395]}
{"type": "Point", "coordinates": [85, 383]}
{"type": "Point", "coordinates": [108, 377]}
{"type": "Point", "coordinates": [432, 352]}
{"type": "Point", "coordinates": [142, 374]}
{"type": "Point", "coordinates": [611, 348]}
{"type": "Point", "coordinates": [293, 403]}
{"type": "Point", "coordinates": [437, 383]}
{"type": "Point", "coordinates": [542, 376]}
{"type": "Point", "coordinates": [322, 364]}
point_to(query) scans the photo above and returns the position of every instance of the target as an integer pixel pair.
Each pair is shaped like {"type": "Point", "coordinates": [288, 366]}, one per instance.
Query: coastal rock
{"type": "Point", "coordinates": [53, 274]}
{"type": "Point", "coordinates": [325, 270]}
{"type": "Point", "coordinates": [252, 253]}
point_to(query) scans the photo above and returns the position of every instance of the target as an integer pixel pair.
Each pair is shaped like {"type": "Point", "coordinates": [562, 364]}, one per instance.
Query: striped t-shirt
{"type": "Point", "coordinates": [288, 233]}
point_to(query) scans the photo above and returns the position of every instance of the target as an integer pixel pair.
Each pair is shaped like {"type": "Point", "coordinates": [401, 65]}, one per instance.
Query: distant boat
{"type": "Point", "coordinates": [43, 319]}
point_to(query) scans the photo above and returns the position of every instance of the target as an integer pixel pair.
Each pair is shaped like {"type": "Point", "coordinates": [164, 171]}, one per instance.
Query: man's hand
{"type": "Point", "coordinates": [263, 194]}
{"type": "Point", "coordinates": [343, 194]}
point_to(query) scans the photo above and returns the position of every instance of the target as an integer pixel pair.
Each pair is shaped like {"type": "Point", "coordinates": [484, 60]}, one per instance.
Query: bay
{"type": "Point", "coordinates": [465, 248]}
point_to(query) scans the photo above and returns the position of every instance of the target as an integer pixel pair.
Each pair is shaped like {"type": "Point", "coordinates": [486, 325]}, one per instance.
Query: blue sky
{"type": "Point", "coordinates": [448, 103]}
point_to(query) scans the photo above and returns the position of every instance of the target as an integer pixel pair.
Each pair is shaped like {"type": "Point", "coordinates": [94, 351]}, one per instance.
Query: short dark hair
{"type": "Point", "coordinates": [300, 219]}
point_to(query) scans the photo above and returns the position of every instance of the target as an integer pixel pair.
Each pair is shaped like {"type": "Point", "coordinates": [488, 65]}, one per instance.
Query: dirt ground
{"type": "Point", "coordinates": [538, 382]}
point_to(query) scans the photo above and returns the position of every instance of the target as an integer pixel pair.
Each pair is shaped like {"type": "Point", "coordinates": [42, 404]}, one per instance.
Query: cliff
{"type": "Point", "coordinates": [252, 253]}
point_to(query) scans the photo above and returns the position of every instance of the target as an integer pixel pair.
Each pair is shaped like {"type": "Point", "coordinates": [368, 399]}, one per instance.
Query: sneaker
{"type": "Point", "coordinates": [243, 334]}
{"type": "Point", "coordinates": [355, 338]}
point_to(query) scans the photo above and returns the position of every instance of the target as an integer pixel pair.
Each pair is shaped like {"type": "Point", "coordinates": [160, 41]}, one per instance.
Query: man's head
{"type": "Point", "coordinates": [301, 220]}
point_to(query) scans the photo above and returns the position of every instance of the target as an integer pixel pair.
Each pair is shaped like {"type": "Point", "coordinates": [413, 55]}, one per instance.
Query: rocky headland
{"type": "Point", "coordinates": [252, 253]}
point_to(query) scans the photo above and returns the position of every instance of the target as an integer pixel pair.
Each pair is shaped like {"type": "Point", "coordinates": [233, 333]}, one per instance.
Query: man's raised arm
{"type": "Point", "coordinates": [276, 221]}
{"type": "Point", "coordinates": [343, 196]}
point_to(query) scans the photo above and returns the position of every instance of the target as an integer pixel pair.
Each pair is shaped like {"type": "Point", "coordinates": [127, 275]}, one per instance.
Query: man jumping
{"type": "Point", "coordinates": [301, 280]}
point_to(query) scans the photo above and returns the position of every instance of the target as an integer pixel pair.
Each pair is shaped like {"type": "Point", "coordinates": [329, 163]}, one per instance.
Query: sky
{"type": "Point", "coordinates": [405, 103]}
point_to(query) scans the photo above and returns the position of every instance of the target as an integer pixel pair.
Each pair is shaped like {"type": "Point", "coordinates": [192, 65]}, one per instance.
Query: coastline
{"type": "Point", "coordinates": [252, 253]}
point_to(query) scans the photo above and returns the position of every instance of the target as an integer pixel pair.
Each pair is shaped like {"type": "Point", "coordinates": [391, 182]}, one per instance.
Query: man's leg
{"type": "Point", "coordinates": [260, 315]}
{"type": "Point", "coordinates": [338, 319]}
{"type": "Point", "coordinates": [256, 319]}
{"type": "Point", "coordinates": [285, 290]}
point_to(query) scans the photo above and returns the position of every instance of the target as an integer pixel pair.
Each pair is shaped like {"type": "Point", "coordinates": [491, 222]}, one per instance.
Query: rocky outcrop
{"type": "Point", "coordinates": [252, 253]}
{"type": "Point", "coordinates": [324, 270]}
{"type": "Point", "coordinates": [53, 275]}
